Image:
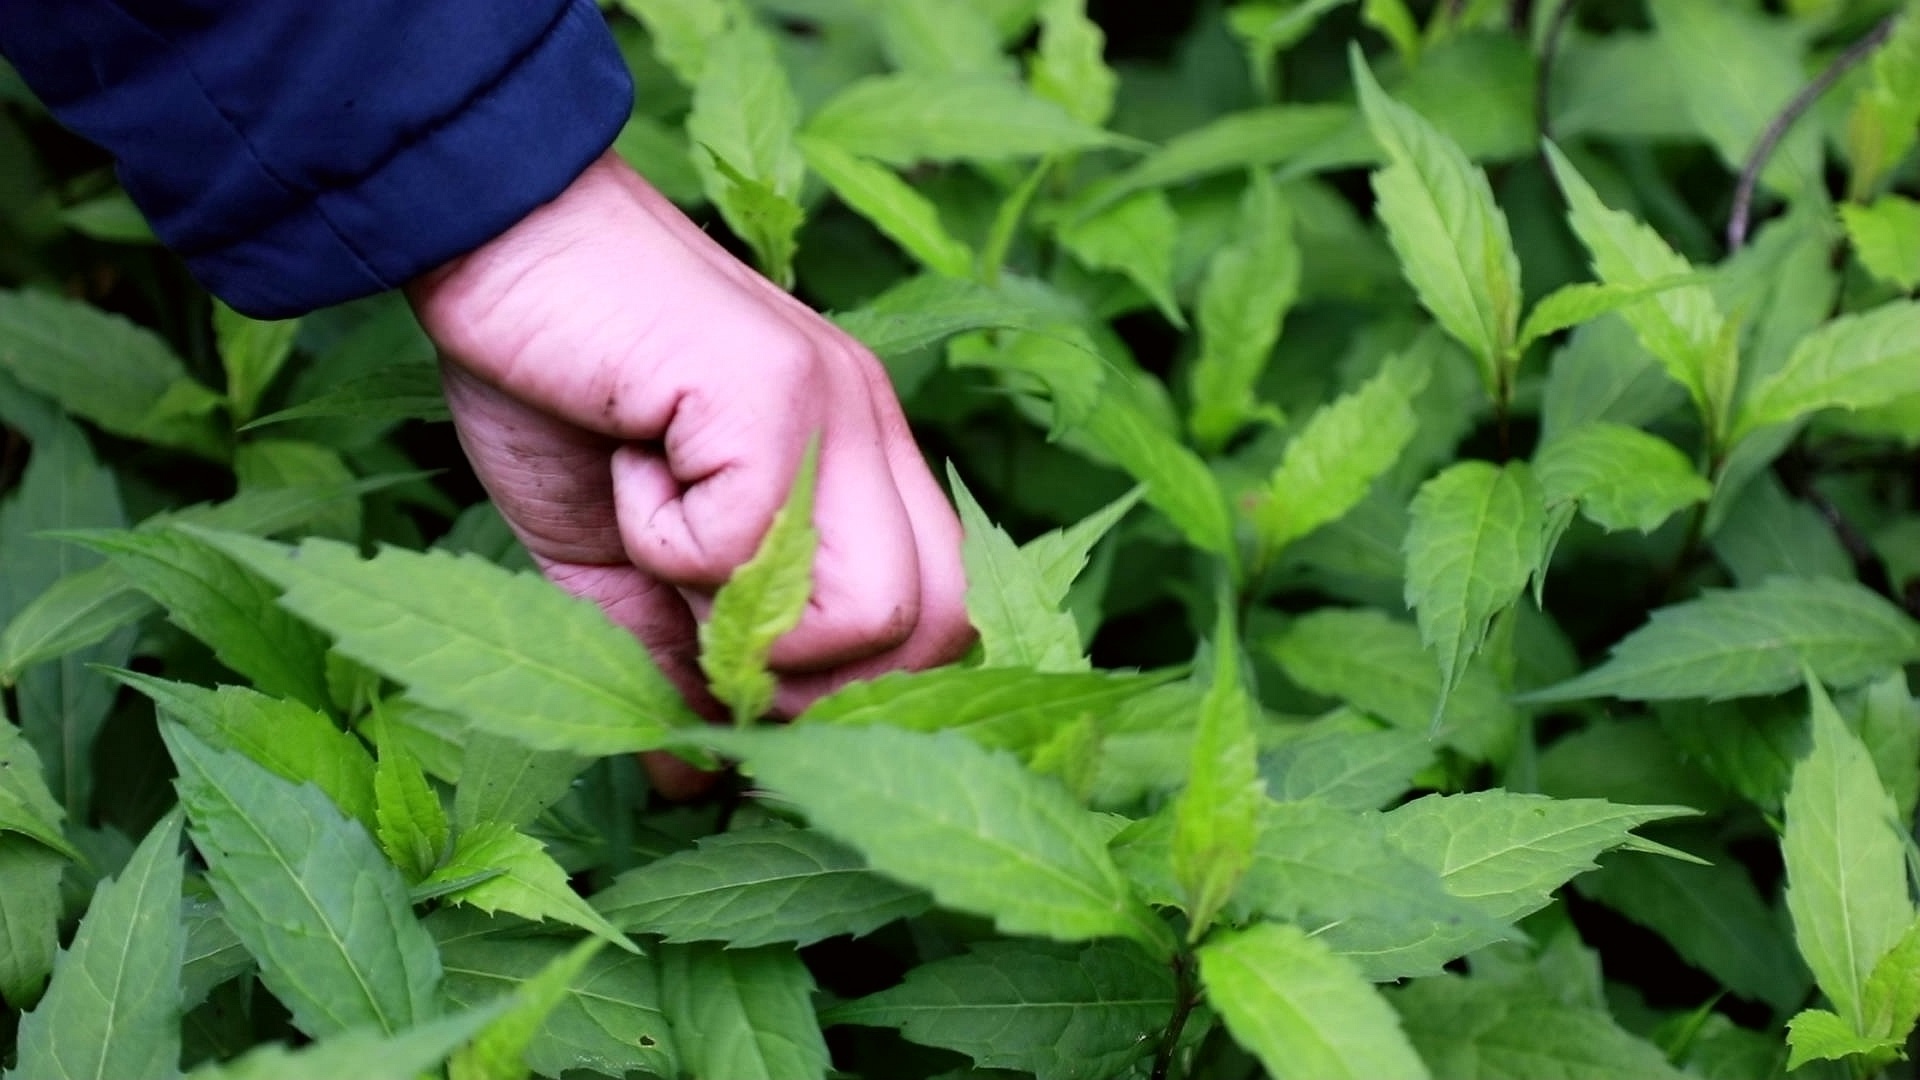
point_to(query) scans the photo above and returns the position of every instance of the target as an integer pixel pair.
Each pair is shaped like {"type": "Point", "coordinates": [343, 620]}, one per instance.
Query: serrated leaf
{"type": "Point", "coordinates": [1346, 761]}
{"type": "Point", "coordinates": [27, 808]}
{"type": "Point", "coordinates": [76, 611]}
{"type": "Point", "coordinates": [113, 1008]}
{"type": "Point", "coordinates": [401, 392]}
{"type": "Point", "coordinates": [1059, 555]}
{"type": "Point", "coordinates": [610, 1020]}
{"type": "Point", "coordinates": [1853, 362]}
{"type": "Point", "coordinates": [1474, 541]}
{"type": "Point", "coordinates": [1767, 533]}
{"type": "Point", "coordinates": [1479, 1029]}
{"type": "Point", "coordinates": [1253, 139]}
{"type": "Point", "coordinates": [498, 1052]}
{"type": "Point", "coordinates": [1338, 453]}
{"type": "Point", "coordinates": [1736, 69]}
{"type": "Point", "coordinates": [1134, 237]}
{"type": "Point", "coordinates": [305, 889]}
{"type": "Point", "coordinates": [1816, 1034]}
{"type": "Point", "coordinates": [1216, 817]}
{"type": "Point", "coordinates": [938, 38]}
{"type": "Point", "coordinates": [1890, 1002]}
{"type": "Point", "coordinates": [909, 117]}
{"type": "Point", "coordinates": [762, 600]}
{"type": "Point", "coordinates": [30, 910]}
{"type": "Point", "coordinates": [999, 708]}
{"type": "Point", "coordinates": [221, 602]}
{"type": "Point", "coordinates": [102, 368]}
{"type": "Point", "coordinates": [1178, 482]}
{"type": "Point", "coordinates": [744, 1014]}
{"type": "Point", "coordinates": [1249, 287]}
{"type": "Point", "coordinates": [1067, 68]}
{"type": "Point", "coordinates": [252, 351]}
{"type": "Point", "coordinates": [1886, 238]}
{"type": "Point", "coordinates": [1377, 664]}
{"type": "Point", "coordinates": [876, 193]}
{"type": "Point", "coordinates": [680, 32]}
{"type": "Point", "coordinates": [757, 887]}
{"type": "Point", "coordinates": [1007, 598]}
{"type": "Point", "coordinates": [273, 464]}
{"type": "Point", "coordinates": [1584, 301]}
{"type": "Point", "coordinates": [502, 781]}
{"type": "Point", "coordinates": [516, 656]}
{"type": "Point", "coordinates": [1622, 477]}
{"type": "Point", "coordinates": [1303, 1011]}
{"type": "Point", "coordinates": [411, 823]}
{"type": "Point", "coordinates": [970, 826]}
{"type": "Point", "coordinates": [1846, 875]}
{"type": "Point", "coordinates": [1506, 852]}
{"type": "Point", "coordinates": [744, 117]}
{"type": "Point", "coordinates": [363, 1053]}
{"type": "Point", "coordinates": [286, 738]}
{"type": "Point", "coordinates": [1058, 1012]}
{"type": "Point", "coordinates": [522, 880]}
{"type": "Point", "coordinates": [1682, 327]}
{"type": "Point", "coordinates": [1452, 239]}
{"type": "Point", "coordinates": [1743, 642]}
{"type": "Point", "coordinates": [1603, 373]}
{"type": "Point", "coordinates": [928, 309]}
{"type": "Point", "coordinates": [213, 953]}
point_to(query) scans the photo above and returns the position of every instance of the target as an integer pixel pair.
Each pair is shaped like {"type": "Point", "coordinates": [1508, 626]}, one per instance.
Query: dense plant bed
{"type": "Point", "coordinates": [1440, 501]}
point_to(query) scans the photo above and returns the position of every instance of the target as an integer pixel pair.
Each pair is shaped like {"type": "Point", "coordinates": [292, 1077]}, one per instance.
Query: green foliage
{"type": "Point", "coordinates": [1390, 507]}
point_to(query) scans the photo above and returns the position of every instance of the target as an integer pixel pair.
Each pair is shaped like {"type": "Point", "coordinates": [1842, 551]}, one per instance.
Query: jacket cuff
{"type": "Point", "coordinates": [513, 146]}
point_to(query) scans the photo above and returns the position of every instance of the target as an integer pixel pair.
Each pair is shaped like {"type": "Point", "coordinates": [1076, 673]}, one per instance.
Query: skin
{"type": "Point", "coordinates": [637, 402]}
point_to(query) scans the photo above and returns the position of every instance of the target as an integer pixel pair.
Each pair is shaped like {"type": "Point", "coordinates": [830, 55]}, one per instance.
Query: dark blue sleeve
{"type": "Point", "coordinates": [300, 153]}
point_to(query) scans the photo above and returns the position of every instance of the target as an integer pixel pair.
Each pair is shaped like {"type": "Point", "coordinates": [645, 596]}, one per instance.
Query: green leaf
{"type": "Point", "coordinates": [745, 115]}
{"type": "Point", "coordinates": [998, 708]}
{"type": "Point", "coordinates": [1605, 374]}
{"type": "Point", "coordinates": [1736, 70]}
{"type": "Point", "coordinates": [1816, 1034]}
{"type": "Point", "coordinates": [1880, 127]}
{"type": "Point", "coordinates": [1584, 301]}
{"type": "Point", "coordinates": [1890, 1002]}
{"type": "Point", "coordinates": [1767, 533]}
{"type": "Point", "coordinates": [928, 309]}
{"type": "Point", "coordinates": [26, 806]}
{"type": "Point", "coordinates": [102, 368]}
{"type": "Point", "coordinates": [363, 1053]}
{"type": "Point", "coordinates": [936, 38]}
{"type": "Point", "coordinates": [1068, 68]}
{"type": "Point", "coordinates": [744, 1014]}
{"type": "Point", "coordinates": [1682, 327]}
{"type": "Point", "coordinates": [1738, 642]}
{"type": "Point", "coordinates": [252, 352]}
{"type": "Point", "coordinates": [272, 464]}
{"type": "Point", "coordinates": [221, 602]}
{"type": "Point", "coordinates": [757, 887]}
{"type": "Point", "coordinates": [1178, 482]}
{"type": "Point", "coordinates": [1481, 1029]}
{"type": "Point", "coordinates": [499, 1051]}
{"type": "Point", "coordinates": [910, 117]}
{"type": "Point", "coordinates": [411, 823]}
{"type": "Point", "coordinates": [1346, 761]}
{"type": "Point", "coordinates": [1216, 818]}
{"type": "Point", "coordinates": [1253, 139]}
{"type": "Point", "coordinates": [1377, 664]}
{"type": "Point", "coordinates": [1506, 852]}
{"type": "Point", "coordinates": [1055, 1011]}
{"type": "Point", "coordinates": [1475, 540]}
{"type": "Point", "coordinates": [610, 1020]}
{"type": "Point", "coordinates": [1846, 875]}
{"type": "Point", "coordinates": [1338, 453]}
{"type": "Point", "coordinates": [681, 32]}
{"type": "Point", "coordinates": [29, 917]}
{"type": "Point", "coordinates": [111, 217]}
{"type": "Point", "coordinates": [78, 610]}
{"type": "Point", "coordinates": [523, 880]}
{"type": "Point", "coordinates": [970, 826]}
{"type": "Point", "coordinates": [1060, 554]}
{"type": "Point", "coordinates": [1008, 600]}
{"type": "Point", "coordinates": [502, 781]}
{"type": "Point", "coordinates": [1853, 362]}
{"type": "Point", "coordinates": [308, 893]}
{"type": "Point", "coordinates": [1889, 724]}
{"type": "Point", "coordinates": [894, 207]}
{"type": "Point", "coordinates": [400, 392]}
{"type": "Point", "coordinates": [1713, 916]}
{"type": "Point", "coordinates": [1250, 285]}
{"type": "Point", "coordinates": [1303, 1011]}
{"type": "Point", "coordinates": [286, 738]}
{"type": "Point", "coordinates": [762, 600]}
{"type": "Point", "coordinates": [214, 954]}
{"type": "Point", "coordinates": [113, 1008]}
{"type": "Point", "coordinates": [1134, 237]}
{"type": "Point", "coordinates": [1452, 239]}
{"type": "Point", "coordinates": [1886, 238]}
{"type": "Point", "coordinates": [517, 656]}
{"type": "Point", "coordinates": [1622, 477]}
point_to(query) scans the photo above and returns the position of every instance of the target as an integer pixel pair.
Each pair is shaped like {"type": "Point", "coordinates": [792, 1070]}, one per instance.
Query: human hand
{"type": "Point", "coordinates": [637, 403]}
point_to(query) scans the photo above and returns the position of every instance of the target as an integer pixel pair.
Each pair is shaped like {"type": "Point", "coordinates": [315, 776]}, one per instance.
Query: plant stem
{"type": "Point", "coordinates": [1186, 996]}
{"type": "Point", "coordinates": [1797, 474]}
{"type": "Point", "coordinates": [1777, 128]}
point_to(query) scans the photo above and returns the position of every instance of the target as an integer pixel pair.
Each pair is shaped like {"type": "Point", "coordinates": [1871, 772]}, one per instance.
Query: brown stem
{"type": "Point", "coordinates": [1777, 128]}
{"type": "Point", "coordinates": [1186, 997]}
{"type": "Point", "coordinates": [1543, 75]}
